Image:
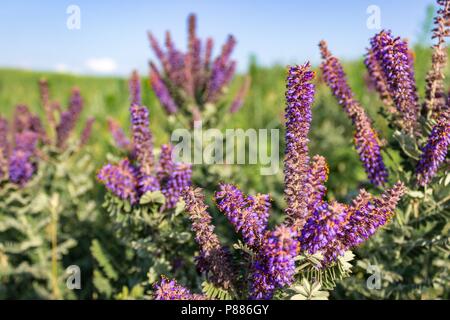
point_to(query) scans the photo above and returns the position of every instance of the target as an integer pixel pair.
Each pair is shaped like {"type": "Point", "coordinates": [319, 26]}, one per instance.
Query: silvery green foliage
{"type": "Point", "coordinates": [43, 226]}
{"type": "Point", "coordinates": [153, 241]}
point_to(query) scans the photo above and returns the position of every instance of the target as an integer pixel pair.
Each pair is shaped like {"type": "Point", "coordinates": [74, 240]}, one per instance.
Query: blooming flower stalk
{"type": "Point", "coordinates": [213, 258]}
{"type": "Point", "coordinates": [187, 81]}
{"type": "Point", "coordinates": [435, 150]}
{"type": "Point", "coordinates": [396, 63]}
{"type": "Point", "coordinates": [119, 136]}
{"type": "Point", "coordinates": [299, 98]}
{"type": "Point", "coordinates": [435, 98]}
{"type": "Point", "coordinates": [87, 131]}
{"type": "Point", "coordinates": [240, 96]}
{"type": "Point", "coordinates": [274, 266]}
{"type": "Point", "coordinates": [121, 180]}
{"type": "Point", "coordinates": [246, 214]}
{"type": "Point", "coordinates": [69, 118]}
{"type": "Point", "coordinates": [142, 138]}
{"type": "Point", "coordinates": [135, 89]}
{"type": "Point", "coordinates": [316, 182]}
{"type": "Point", "coordinates": [366, 141]}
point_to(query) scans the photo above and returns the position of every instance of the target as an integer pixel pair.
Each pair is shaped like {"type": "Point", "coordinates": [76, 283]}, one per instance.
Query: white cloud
{"type": "Point", "coordinates": [61, 67]}
{"type": "Point", "coordinates": [102, 65]}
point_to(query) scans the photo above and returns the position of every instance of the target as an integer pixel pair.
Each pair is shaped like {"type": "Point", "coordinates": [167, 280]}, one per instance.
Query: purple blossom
{"type": "Point", "coordinates": [213, 258]}
{"type": "Point", "coordinates": [240, 211]}
{"type": "Point", "coordinates": [69, 118]}
{"type": "Point", "coordinates": [4, 147]}
{"type": "Point", "coordinates": [119, 136]}
{"type": "Point", "coordinates": [274, 266]}
{"type": "Point", "coordinates": [435, 151]}
{"type": "Point", "coordinates": [322, 227]}
{"type": "Point", "coordinates": [435, 98]}
{"type": "Point", "coordinates": [240, 96]}
{"type": "Point", "coordinates": [135, 89]}
{"type": "Point", "coordinates": [317, 177]}
{"type": "Point", "coordinates": [87, 131]}
{"type": "Point", "coordinates": [21, 168]}
{"type": "Point", "coordinates": [299, 98]}
{"type": "Point", "coordinates": [142, 138]}
{"type": "Point", "coordinates": [173, 177]}
{"type": "Point", "coordinates": [395, 61]}
{"type": "Point", "coordinates": [161, 91]}
{"type": "Point", "coordinates": [365, 138]}
{"type": "Point", "coordinates": [170, 290]}
{"type": "Point", "coordinates": [121, 180]}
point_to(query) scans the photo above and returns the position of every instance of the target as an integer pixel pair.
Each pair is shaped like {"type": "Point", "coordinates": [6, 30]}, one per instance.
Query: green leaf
{"type": "Point", "coordinates": [151, 197]}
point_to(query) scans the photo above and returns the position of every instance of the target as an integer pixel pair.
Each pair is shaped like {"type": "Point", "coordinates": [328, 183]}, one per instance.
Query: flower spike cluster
{"type": "Point", "coordinates": [187, 81]}
{"type": "Point", "coordinates": [133, 177]}
{"type": "Point", "coordinates": [365, 139]}
{"type": "Point", "coordinates": [312, 224]}
{"type": "Point", "coordinates": [20, 142]}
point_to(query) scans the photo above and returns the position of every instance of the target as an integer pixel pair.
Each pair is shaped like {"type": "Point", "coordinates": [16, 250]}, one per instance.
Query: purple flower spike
{"type": "Point", "coordinates": [396, 63]}
{"type": "Point", "coordinates": [161, 91]}
{"type": "Point", "coordinates": [366, 141]}
{"type": "Point", "coordinates": [435, 151]}
{"type": "Point", "coordinates": [135, 89]}
{"type": "Point", "coordinates": [142, 138]}
{"type": "Point", "coordinates": [299, 99]}
{"type": "Point", "coordinates": [316, 182]}
{"type": "Point", "coordinates": [87, 131]}
{"type": "Point", "coordinates": [275, 263]}
{"type": "Point", "coordinates": [119, 136]}
{"type": "Point", "coordinates": [213, 258]}
{"type": "Point", "coordinates": [69, 118]}
{"type": "Point", "coordinates": [170, 290]}
{"type": "Point", "coordinates": [121, 180]}
{"type": "Point", "coordinates": [20, 167]}
{"type": "Point", "coordinates": [240, 211]}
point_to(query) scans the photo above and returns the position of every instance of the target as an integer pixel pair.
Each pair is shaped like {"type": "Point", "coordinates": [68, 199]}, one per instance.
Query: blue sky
{"type": "Point", "coordinates": [112, 38]}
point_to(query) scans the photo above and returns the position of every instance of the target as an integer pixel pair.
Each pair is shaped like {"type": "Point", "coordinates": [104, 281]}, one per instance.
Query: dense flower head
{"type": "Point", "coordinates": [213, 258]}
{"type": "Point", "coordinates": [299, 98]}
{"type": "Point", "coordinates": [240, 211]}
{"type": "Point", "coordinates": [435, 98]}
{"type": "Point", "coordinates": [189, 80]}
{"type": "Point", "coordinates": [69, 118]}
{"type": "Point", "coordinates": [366, 142]}
{"type": "Point", "coordinates": [435, 150]}
{"type": "Point", "coordinates": [274, 266]}
{"type": "Point", "coordinates": [142, 138]}
{"type": "Point", "coordinates": [121, 180]}
{"type": "Point", "coordinates": [167, 289]}
{"type": "Point", "coordinates": [396, 63]}
{"type": "Point", "coordinates": [173, 177]}
{"type": "Point", "coordinates": [21, 168]}
{"type": "Point", "coordinates": [322, 227]}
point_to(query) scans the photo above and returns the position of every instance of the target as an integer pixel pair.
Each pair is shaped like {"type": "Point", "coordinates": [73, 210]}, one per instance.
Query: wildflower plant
{"type": "Point", "coordinates": [45, 211]}
{"type": "Point", "coordinates": [143, 201]}
{"type": "Point", "coordinates": [417, 153]}
{"type": "Point", "coordinates": [309, 250]}
{"type": "Point", "coordinates": [192, 85]}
